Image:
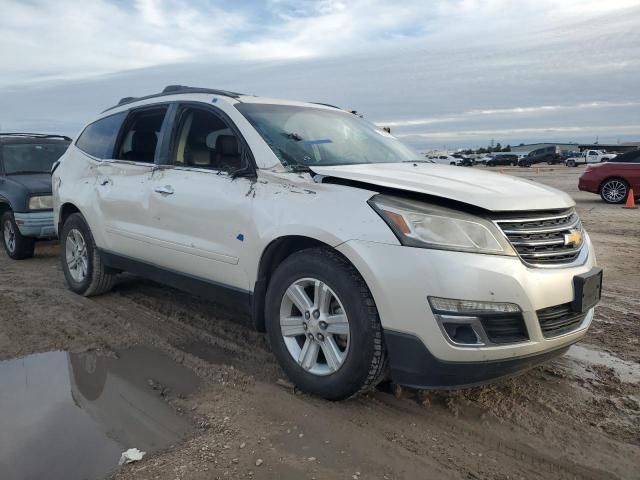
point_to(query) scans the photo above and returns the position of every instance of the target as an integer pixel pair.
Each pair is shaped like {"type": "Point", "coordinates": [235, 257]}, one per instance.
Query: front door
{"type": "Point", "coordinates": [203, 215]}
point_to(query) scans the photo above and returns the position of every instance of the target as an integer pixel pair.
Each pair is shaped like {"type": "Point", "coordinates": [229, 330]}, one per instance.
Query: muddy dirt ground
{"type": "Point", "coordinates": [576, 417]}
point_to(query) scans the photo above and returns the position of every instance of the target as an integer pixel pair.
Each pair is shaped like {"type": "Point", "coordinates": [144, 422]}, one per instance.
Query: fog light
{"type": "Point", "coordinates": [461, 333]}
{"type": "Point", "coordinates": [470, 323]}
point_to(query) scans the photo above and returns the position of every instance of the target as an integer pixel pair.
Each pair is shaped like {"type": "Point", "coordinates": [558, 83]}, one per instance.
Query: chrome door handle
{"type": "Point", "coordinates": [166, 190]}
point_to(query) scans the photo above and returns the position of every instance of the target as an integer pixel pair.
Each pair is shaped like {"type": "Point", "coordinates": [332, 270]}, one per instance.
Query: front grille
{"type": "Point", "coordinates": [505, 329]}
{"type": "Point", "coordinates": [539, 239]}
{"type": "Point", "coordinates": [559, 320]}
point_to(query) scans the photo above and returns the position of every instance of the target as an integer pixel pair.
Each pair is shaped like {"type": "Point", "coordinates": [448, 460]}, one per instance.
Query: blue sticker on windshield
{"type": "Point", "coordinates": [317, 142]}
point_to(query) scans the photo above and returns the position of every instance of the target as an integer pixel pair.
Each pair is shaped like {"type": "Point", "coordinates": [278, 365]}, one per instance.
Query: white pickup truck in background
{"type": "Point", "coordinates": [590, 156]}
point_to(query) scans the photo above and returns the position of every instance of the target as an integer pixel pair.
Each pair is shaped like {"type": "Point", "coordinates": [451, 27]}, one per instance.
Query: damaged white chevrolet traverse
{"type": "Point", "coordinates": [358, 258]}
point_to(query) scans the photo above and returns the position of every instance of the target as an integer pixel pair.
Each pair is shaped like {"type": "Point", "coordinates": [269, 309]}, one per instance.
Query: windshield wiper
{"type": "Point", "coordinates": [24, 172]}
{"type": "Point", "coordinates": [298, 167]}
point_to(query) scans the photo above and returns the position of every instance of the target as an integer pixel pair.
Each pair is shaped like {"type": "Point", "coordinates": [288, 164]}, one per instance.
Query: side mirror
{"type": "Point", "coordinates": [246, 168]}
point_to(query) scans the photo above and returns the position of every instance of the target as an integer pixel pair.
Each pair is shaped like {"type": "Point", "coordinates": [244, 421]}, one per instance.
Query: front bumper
{"type": "Point", "coordinates": [414, 366]}
{"type": "Point", "coordinates": [36, 224]}
{"type": "Point", "coordinates": [401, 278]}
{"type": "Point", "coordinates": [587, 185]}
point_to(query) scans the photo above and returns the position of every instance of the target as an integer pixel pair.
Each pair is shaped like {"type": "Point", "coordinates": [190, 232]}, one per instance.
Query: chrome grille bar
{"type": "Point", "coordinates": [539, 238]}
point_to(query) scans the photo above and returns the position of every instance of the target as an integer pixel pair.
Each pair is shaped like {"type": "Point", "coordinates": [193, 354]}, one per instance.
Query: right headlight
{"type": "Point", "coordinates": [418, 224]}
{"type": "Point", "coordinates": [41, 202]}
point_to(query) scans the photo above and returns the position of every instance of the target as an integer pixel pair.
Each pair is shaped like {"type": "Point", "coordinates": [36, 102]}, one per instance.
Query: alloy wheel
{"type": "Point", "coordinates": [76, 255]}
{"type": "Point", "coordinates": [614, 191]}
{"type": "Point", "coordinates": [314, 326]}
{"type": "Point", "coordinates": [9, 236]}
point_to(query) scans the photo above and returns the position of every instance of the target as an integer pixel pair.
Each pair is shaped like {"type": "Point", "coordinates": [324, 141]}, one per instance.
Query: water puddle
{"type": "Point", "coordinates": [66, 415]}
{"type": "Point", "coordinates": [627, 371]}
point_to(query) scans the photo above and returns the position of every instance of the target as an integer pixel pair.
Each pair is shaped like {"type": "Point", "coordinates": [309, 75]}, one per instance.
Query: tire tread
{"type": "Point", "coordinates": [378, 367]}
{"type": "Point", "coordinates": [101, 279]}
{"type": "Point", "coordinates": [25, 246]}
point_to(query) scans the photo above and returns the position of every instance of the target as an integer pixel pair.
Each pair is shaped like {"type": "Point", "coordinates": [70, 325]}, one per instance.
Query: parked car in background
{"type": "Point", "coordinates": [354, 255]}
{"type": "Point", "coordinates": [443, 159]}
{"type": "Point", "coordinates": [484, 159]}
{"type": "Point", "coordinates": [613, 180]}
{"type": "Point", "coordinates": [564, 156]}
{"type": "Point", "coordinates": [549, 155]}
{"type": "Point", "coordinates": [464, 160]}
{"type": "Point", "coordinates": [26, 213]}
{"type": "Point", "coordinates": [503, 159]}
{"type": "Point", "coordinates": [589, 156]}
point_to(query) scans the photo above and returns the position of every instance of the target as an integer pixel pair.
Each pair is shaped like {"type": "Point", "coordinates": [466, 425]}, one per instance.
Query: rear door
{"type": "Point", "coordinates": [202, 212]}
{"type": "Point", "coordinates": [123, 187]}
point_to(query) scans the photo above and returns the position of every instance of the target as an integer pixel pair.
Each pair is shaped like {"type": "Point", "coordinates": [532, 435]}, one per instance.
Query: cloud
{"type": "Point", "coordinates": [509, 112]}
{"type": "Point", "coordinates": [430, 70]}
{"type": "Point", "coordinates": [507, 134]}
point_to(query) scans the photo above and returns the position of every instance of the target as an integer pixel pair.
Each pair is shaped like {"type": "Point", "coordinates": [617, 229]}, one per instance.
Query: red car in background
{"type": "Point", "coordinates": [613, 180]}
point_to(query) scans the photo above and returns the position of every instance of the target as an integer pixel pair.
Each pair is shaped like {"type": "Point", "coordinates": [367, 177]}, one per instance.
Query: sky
{"type": "Point", "coordinates": [442, 74]}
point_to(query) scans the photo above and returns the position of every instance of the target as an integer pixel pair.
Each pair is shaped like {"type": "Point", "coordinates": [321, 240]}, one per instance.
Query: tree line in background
{"type": "Point", "coordinates": [488, 149]}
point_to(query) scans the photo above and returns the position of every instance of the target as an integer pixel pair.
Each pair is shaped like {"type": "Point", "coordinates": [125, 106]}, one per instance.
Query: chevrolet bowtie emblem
{"type": "Point", "coordinates": [573, 238]}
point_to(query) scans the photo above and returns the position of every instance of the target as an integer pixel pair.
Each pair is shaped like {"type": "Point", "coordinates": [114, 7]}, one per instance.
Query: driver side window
{"type": "Point", "coordinates": [204, 140]}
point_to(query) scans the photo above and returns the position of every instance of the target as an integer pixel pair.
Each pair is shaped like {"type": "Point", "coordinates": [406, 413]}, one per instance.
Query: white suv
{"type": "Point", "coordinates": [358, 259]}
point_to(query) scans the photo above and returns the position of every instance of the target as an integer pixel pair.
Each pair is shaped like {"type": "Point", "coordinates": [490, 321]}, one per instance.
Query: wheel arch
{"type": "Point", "coordinates": [273, 255]}
{"type": "Point", "coordinates": [66, 210]}
{"type": "Point", "coordinates": [5, 206]}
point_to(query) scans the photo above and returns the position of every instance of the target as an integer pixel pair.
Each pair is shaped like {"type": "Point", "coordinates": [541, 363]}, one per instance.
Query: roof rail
{"type": "Point", "coordinates": [174, 90]}
{"type": "Point", "coordinates": [35, 135]}
{"type": "Point", "coordinates": [327, 105]}
{"type": "Point", "coordinates": [126, 100]}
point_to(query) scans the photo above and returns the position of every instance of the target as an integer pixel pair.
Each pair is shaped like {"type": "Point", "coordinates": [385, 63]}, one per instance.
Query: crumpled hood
{"type": "Point", "coordinates": [488, 190]}
{"type": "Point", "coordinates": [33, 182]}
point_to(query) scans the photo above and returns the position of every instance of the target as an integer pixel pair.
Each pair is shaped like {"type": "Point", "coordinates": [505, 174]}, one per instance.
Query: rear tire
{"type": "Point", "coordinates": [15, 244]}
{"type": "Point", "coordinates": [614, 190]}
{"type": "Point", "coordinates": [309, 276]}
{"type": "Point", "coordinates": [81, 262]}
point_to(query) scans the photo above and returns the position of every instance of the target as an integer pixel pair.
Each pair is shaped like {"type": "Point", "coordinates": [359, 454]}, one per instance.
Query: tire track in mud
{"type": "Point", "coordinates": [10, 312]}
{"type": "Point", "coordinates": [221, 347]}
{"type": "Point", "coordinates": [529, 460]}
{"type": "Point", "coordinates": [175, 326]}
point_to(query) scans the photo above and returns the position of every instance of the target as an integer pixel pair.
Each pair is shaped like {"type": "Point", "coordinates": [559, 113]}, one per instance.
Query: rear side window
{"type": "Point", "coordinates": [140, 136]}
{"type": "Point", "coordinates": [99, 138]}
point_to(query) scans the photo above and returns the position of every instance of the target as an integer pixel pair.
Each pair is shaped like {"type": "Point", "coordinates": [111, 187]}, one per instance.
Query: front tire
{"type": "Point", "coordinates": [323, 325]}
{"type": "Point", "coordinates": [614, 190]}
{"type": "Point", "coordinates": [15, 244]}
{"type": "Point", "coordinates": [81, 262]}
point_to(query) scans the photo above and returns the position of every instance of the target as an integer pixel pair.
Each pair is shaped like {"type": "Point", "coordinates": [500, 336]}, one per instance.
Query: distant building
{"type": "Point", "coordinates": [611, 147]}
{"type": "Point", "coordinates": [525, 149]}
